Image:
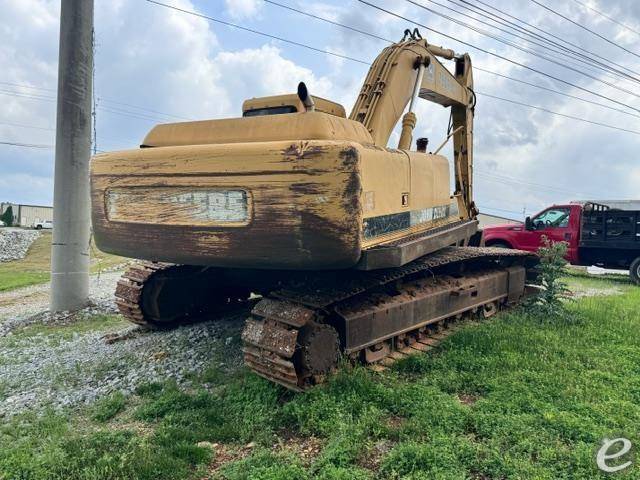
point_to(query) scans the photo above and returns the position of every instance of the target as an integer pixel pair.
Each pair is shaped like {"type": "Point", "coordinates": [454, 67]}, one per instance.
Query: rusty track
{"type": "Point", "coordinates": [296, 334]}
{"type": "Point", "coordinates": [129, 290]}
{"type": "Point", "coordinates": [163, 295]}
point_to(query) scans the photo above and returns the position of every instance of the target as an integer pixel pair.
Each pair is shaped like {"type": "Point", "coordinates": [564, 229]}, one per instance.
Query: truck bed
{"type": "Point", "coordinates": [610, 228]}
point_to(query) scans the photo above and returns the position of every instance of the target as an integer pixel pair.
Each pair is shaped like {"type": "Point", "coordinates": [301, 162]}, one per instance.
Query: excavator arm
{"type": "Point", "coordinates": [410, 69]}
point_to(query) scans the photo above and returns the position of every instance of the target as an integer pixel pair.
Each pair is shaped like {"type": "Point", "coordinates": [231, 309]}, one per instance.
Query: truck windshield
{"type": "Point", "coordinates": [555, 217]}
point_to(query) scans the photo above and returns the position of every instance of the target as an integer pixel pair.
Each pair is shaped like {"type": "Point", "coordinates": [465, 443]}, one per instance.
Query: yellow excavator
{"type": "Point", "coordinates": [357, 250]}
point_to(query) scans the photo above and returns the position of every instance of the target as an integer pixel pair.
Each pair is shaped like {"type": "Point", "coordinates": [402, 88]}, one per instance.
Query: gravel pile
{"type": "Point", "coordinates": [49, 370]}
{"type": "Point", "coordinates": [15, 242]}
{"type": "Point", "coordinates": [66, 367]}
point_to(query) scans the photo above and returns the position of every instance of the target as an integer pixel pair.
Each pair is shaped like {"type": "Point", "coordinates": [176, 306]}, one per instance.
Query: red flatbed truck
{"type": "Point", "coordinates": [596, 234]}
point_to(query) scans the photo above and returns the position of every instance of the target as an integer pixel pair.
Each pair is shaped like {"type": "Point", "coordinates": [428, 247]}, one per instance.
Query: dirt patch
{"type": "Point", "coordinates": [395, 422]}
{"type": "Point", "coordinates": [224, 454]}
{"type": "Point", "coordinates": [139, 428]}
{"type": "Point", "coordinates": [373, 457]}
{"type": "Point", "coordinates": [595, 292]}
{"type": "Point", "coordinates": [467, 399]}
{"type": "Point", "coordinates": [481, 476]}
{"type": "Point", "coordinates": [305, 448]}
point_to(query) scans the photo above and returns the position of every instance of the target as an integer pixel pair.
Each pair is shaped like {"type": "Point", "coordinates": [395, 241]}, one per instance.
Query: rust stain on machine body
{"type": "Point", "coordinates": [293, 195]}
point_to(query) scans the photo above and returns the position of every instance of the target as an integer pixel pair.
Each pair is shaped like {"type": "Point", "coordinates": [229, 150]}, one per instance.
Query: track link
{"type": "Point", "coordinates": [129, 290]}
{"type": "Point", "coordinates": [363, 312]}
{"type": "Point", "coordinates": [163, 295]}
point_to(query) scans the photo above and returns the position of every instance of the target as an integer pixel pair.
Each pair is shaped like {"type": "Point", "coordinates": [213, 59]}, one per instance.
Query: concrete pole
{"type": "Point", "coordinates": [71, 218]}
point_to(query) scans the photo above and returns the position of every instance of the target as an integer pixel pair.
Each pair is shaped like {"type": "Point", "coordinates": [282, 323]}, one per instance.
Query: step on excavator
{"type": "Point", "coordinates": [356, 250]}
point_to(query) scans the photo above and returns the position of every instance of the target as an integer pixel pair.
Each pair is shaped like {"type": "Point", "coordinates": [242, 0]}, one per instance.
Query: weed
{"type": "Point", "coordinates": [549, 302]}
{"type": "Point", "coordinates": [107, 408]}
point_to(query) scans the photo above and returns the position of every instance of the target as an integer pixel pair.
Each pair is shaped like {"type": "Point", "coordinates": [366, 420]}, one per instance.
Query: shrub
{"type": "Point", "coordinates": [550, 301]}
{"type": "Point", "coordinates": [7, 216]}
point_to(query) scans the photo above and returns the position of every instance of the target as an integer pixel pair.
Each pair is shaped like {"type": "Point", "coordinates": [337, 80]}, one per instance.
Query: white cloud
{"type": "Point", "coordinates": [242, 9]}
{"type": "Point", "coordinates": [263, 71]}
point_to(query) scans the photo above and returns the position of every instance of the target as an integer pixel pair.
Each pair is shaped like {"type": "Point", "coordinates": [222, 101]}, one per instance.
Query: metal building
{"type": "Point", "coordinates": [28, 215]}
{"type": "Point", "coordinates": [484, 220]}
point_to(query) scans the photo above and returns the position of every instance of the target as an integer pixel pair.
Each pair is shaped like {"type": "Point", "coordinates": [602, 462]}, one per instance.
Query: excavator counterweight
{"type": "Point", "coordinates": [357, 249]}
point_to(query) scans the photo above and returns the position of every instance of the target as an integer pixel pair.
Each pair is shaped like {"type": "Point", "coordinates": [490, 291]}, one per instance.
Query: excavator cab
{"type": "Point", "coordinates": [291, 103]}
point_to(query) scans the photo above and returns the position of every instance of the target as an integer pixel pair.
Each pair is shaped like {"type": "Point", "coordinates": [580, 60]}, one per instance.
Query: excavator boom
{"type": "Point", "coordinates": [391, 84]}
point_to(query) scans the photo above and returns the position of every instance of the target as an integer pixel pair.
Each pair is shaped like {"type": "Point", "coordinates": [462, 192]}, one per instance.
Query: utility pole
{"type": "Point", "coordinates": [71, 218]}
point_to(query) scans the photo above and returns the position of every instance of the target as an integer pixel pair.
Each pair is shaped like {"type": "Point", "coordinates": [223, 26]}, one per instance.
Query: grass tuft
{"type": "Point", "coordinates": [107, 408]}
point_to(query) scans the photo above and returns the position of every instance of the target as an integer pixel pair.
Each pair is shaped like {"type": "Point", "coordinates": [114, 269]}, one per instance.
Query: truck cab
{"type": "Point", "coordinates": [559, 223]}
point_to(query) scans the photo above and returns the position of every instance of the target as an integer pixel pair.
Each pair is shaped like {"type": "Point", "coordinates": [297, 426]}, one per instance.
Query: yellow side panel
{"type": "Point", "coordinates": [429, 180]}
{"type": "Point", "coordinates": [386, 175]}
{"type": "Point", "coordinates": [403, 193]}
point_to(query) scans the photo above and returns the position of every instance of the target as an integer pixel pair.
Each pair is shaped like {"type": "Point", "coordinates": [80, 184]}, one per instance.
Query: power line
{"type": "Point", "coordinates": [502, 57]}
{"type": "Point", "coordinates": [21, 125]}
{"type": "Point", "coordinates": [362, 32]}
{"type": "Point", "coordinates": [142, 116]}
{"type": "Point", "coordinates": [583, 27]}
{"type": "Point", "coordinates": [636, 132]}
{"type": "Point", "coordinates": [523, 49]}
{"type": "Point", "coordinates": [101, 137]}
{"type": "Point", "coordinates": [586, 60]}
{"type": "Point", "coordinates": [27, 95]}
{"type": "Point", "coordinates": [131, 114]}
{"type": "Point", "coordinates": [557, 92]}
{"type": "Point", "coordinates": [566, 52]}
{"type": "Point", "coordinates": [99, 99]}
{"type": "Point", "coordinates": [545, 32]}
{"type": "Point", "coordinates": [607, 17]}
{"type": "Point", "coordinates": [507, 178]}
{"type": "Point", "coordinates": [485, 207]}
{"type": "Point", "coordinates": [106, 100]}
{"type": "Point", "coordinates": [268, 35]}
{"type": "Point", "coordinates": [465, 43]}
{"type": "Point", "coordinates": [494, 177]}
{"type": "Point", "coordinates": [25, 145]}
{"type": "Point", "coordinates": [27, 86]}
{"type": "Point", "coordinates": [113, 110]}
{"type": "Point", "coordinates": [353, 29]}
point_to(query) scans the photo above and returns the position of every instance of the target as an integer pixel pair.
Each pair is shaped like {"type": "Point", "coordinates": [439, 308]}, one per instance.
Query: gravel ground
{"type": "Point", "coordinates": [61, 367]}
{"type": "Point", "coordinates": [14, 243]}
{"type": "Point", "coordinates": [27, 305]}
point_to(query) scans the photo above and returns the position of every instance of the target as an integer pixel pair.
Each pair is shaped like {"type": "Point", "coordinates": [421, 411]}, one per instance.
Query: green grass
{"type": "Point", "coordinates": [516, 397]}
{"type": "Point", "coordinates": [34, 268]}
{"type": "Point", "coordinates": [107, 408]}
{"type": "Point", "coordinates": [10, 280]}
{"type": "Point", "coordinates": [77, 326]}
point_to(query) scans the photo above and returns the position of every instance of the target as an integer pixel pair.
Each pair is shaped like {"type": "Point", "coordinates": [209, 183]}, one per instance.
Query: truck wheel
{"type": "Point", "coordinates": [499, 245]}
{"type": "Point", "coordinates": [38, 227]}
{"type": "Point", "coordinates": [634, 271]}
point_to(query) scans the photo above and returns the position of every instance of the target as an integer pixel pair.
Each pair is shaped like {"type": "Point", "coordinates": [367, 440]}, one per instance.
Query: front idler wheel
{"type": "Point", "coordinates": [319, 351]}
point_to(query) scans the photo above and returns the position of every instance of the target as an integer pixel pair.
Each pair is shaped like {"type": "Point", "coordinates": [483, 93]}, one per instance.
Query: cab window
{"type": "Point", "coordinates": [553, 218]}
{"type": "Point", "coordinates": [258, 112]}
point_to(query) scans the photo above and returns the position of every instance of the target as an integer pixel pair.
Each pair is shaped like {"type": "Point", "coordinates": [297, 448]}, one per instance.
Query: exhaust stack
{"type": "Point", "coordinates": [305, 98]}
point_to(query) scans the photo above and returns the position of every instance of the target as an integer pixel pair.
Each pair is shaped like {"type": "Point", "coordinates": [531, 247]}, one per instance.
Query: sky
{"type": "Point", "coordinates": [157, 65]}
